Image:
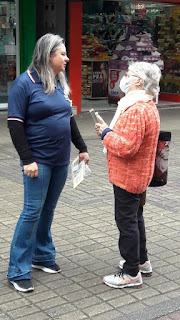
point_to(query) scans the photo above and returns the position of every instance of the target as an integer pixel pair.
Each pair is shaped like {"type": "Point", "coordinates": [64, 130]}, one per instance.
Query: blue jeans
{"type": "Point", "coordinates": [32, 241]}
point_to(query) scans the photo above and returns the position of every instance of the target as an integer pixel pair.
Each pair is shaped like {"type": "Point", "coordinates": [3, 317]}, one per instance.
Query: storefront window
{"type": "Point", "coordinates": [7, 47]}
{"type": "Point", "coordinates": [120, 32]}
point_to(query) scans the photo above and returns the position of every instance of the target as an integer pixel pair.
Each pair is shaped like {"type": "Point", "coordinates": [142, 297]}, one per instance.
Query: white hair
{"type": "Point", "coordinates": [46, 45]}
{"type": "Point", "coordinates": [150, 73]}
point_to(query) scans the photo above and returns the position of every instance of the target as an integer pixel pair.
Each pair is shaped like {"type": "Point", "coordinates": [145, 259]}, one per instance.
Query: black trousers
{"type": "Point", "coordinates": [130, 222]}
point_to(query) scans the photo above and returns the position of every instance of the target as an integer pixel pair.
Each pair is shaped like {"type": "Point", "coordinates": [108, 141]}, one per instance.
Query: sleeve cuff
{"type": "Point", "coordinates": [27, 161]}
{"type": "Point", "coordinates": [84, 149]}
{"type": "Point", "coordinates": [104, 132]}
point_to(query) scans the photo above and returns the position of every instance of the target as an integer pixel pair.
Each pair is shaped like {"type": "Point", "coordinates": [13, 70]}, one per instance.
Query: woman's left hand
{"type": "Point", "coordinates": [84, 156]}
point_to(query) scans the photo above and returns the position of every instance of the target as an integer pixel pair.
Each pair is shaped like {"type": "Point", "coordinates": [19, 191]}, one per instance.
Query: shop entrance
{"type": "Point", "coordinates": [116, 33]}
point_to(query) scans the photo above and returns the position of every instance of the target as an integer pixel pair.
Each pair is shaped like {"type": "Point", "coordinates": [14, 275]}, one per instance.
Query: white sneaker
{"type": "Point", "coordinates": [140, 43]}
{"type": "Point", "coordinates": [133, 38]}
{"type": "Point", "coordinates": [121, 38]}
{"type": "Point", "coordinates": [125, 58]}
{"type": "Point", "coordinates": [114, 57]}
{"type": "Point", "coordinates": [120, 280]}
{"type": "Point", "coordinates": [119, 47]}
{"type": "Point", "coordinates": [128, 48]}
{"type": "Point", "coordinates": [155, 53]}
{"type": "Point", "coordinates": [145, 268]}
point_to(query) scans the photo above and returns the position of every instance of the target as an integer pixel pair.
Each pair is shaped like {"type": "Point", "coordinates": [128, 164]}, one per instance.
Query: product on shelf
{"type": "Point", "coordinates": [93, 48]}
{"type": "Point", "coordinates": [132, 32]}
{"type": "Point", "coordinates": [7, 48]}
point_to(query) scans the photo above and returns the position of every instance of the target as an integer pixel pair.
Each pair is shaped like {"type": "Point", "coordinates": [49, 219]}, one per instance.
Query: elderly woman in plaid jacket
{"type": "Point", "coordinates": [131, 142]}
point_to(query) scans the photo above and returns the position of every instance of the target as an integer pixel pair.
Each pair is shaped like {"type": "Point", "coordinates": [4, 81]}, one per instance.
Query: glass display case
{"type": "Point", "coordinates": [122, 32]}
{"type": "Point", "coordinates": [7, 48]}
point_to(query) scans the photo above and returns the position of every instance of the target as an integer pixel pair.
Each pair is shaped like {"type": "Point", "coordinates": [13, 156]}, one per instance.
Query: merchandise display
{"type": "Point", "coordinates": [122, 32]}
{"type": "Point", "coordinates": [94, 67]}
{"type": "Point", "coordinates": [7, 47]}
{"type": "Point", "coordinates": [169, 44]}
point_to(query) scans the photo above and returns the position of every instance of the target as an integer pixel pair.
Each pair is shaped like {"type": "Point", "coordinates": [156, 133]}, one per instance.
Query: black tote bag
{"type": "Point", "coordinates": [161, 161]}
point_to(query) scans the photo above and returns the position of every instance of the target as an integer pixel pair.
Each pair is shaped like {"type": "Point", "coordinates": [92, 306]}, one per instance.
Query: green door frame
{"type": "Point", "coordinates": [27, 32]}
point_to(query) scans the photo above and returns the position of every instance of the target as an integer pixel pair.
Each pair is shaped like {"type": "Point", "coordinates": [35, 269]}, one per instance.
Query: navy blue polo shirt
{"type": "Point", "coordinates": [46, 118]}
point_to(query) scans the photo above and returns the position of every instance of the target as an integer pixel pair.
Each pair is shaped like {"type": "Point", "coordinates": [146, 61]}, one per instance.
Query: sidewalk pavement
{"type": "Point", "coordinates": [86, 237]}
{"type": "Point", "coordinates": [102, 105]}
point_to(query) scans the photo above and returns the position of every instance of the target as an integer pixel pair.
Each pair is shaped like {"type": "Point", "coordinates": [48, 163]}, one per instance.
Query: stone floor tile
{"type": "Point", "coordinates": [171, 285]}
{"type": "Point", "coordinates": [80, 294]}
{"type": "Point", "coordinates": [76, 315]}
{"type": "Point", "coordinates": [155, 300]}
{"type": "Point", "coordinates": [42, 296]}
{"type": "Point", "coordinates": [87, 302]}
{"type": "Point", "coordinates": [97, 309]}
{"type": "Point", "coordinates": [59, 310]}
{"type": "Point", "coordinates": [111, 295]}
{"type": "Point", "coordinates": [145, 293]}
{"type": "Point", "coordinates": [109, 315]}
{"type": "Point", "coordinates": [122, 301]}
{"type": "Point", "coordinates": [130, 308]}
{"type": "Point", "coordinates": [15, 304]}
{"type": "Point", "coordinates": [38, 315]}
{"type": "Point", "coordinates": [23, 311]}
{"type": "Point", "coordinates": [50, 302]}
{"type": "Point", "coordinates": [174, 293]}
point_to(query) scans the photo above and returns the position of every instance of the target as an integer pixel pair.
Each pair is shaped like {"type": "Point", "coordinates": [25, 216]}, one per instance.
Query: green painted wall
{"type": "Point", "coordinates": [27, 27]}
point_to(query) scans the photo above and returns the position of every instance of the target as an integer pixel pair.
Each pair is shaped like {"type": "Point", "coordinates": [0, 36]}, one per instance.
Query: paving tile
{"type": "Point", "coordinates": [12, 296]}
{"type": "Point", "coordinates": [132, 307]}
{"type": "Point", "coordinates": [59, 310]}
{"type": "Point", "coordinates": [155, 280]}
{"type": "Point", "coordinates": [87, 302]}
{"type": "Point", "coordinates": [42, 296]}
{"type": "Point", "coordinates": [109, 315]}
{"type": "Point", "coordinates": [155, 300]}
{"type": "Point", "coordinates": [50, 302]}
{"type": "Point", "coordinates": [174, 293]}
{"type": "Point", "coordinates": [145, 293]}
{"type": "Point", "coordinates": [4, 316]}
{"type": "Point", "coordinates": [169, 287]}
{"type": "Point", "coordinates": [80, 294]}
{"type": "Point", "coordinates": [122, 301]}
{"type": "Point", "coordinates": [76, 315]}
{"type": "Point", "coordinates": [15, 304]}
{"type": "Point", "coordinates": [23, 311]}
{"type": "Point", "coordinates": [111, 295]}
{"type": "Point", "coordinates": [86, 284]}
{"type": "Point", "coordinates": [97, 309]}
{"type": "Point", "coordinates": [38, 315]}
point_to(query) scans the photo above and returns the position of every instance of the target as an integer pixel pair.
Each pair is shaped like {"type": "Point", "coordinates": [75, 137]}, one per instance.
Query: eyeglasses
{"type": "Point", "coordinates": [127, 74]}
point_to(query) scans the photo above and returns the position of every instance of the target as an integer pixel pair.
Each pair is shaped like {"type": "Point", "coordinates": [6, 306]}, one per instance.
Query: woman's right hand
{"type": "Point", "coordinates": [31, 170]}
{"type": "Point", "coordinates": [99, 127]}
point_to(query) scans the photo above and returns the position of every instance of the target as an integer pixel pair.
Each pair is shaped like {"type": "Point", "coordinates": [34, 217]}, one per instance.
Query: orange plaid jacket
{"type": "Point", "coordinates": [131, 147]}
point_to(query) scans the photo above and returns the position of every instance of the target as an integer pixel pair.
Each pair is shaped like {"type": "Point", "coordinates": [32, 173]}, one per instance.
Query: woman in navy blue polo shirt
{"type": "Point", "coordinates": [41, 127]}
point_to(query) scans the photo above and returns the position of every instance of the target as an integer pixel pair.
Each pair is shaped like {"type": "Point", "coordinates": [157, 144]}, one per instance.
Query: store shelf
{"type": "Point", "coordinates": [94, 79]}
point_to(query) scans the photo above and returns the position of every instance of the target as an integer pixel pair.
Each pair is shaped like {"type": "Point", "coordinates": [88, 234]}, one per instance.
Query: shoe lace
{"type": "Point", "coordinates": [119, 274]}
